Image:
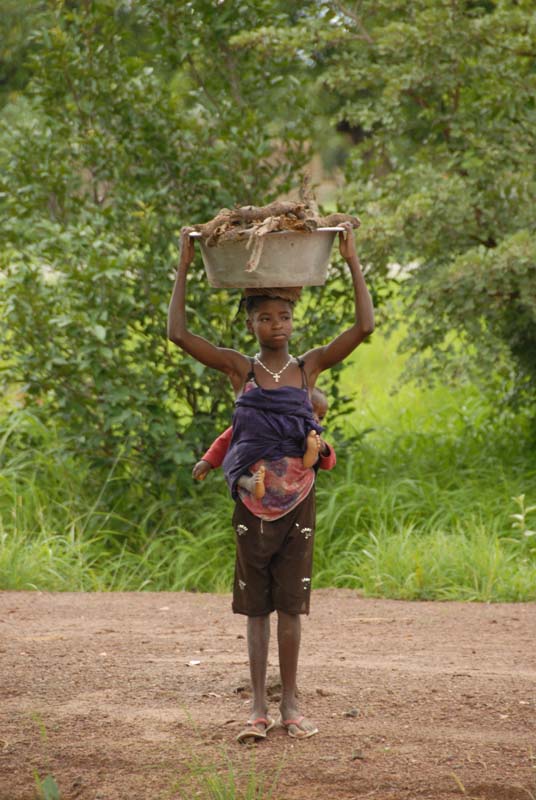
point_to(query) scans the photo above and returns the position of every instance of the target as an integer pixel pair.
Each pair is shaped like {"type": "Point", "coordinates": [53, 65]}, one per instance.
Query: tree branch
{"type": "Point", "coordinates": [233, 76]}
{"type": "Point", "coordinates": [200, 81]}
{"type": "Point", "coordinates": [357, 20]}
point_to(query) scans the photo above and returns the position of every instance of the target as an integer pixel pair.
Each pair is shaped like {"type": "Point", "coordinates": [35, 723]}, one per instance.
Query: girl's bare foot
{"type": "Point", "coordinates": [312, 449]}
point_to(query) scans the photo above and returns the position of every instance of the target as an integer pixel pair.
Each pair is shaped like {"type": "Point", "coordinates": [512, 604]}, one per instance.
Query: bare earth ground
{"type": "Point", "coordinates": [413, 700]}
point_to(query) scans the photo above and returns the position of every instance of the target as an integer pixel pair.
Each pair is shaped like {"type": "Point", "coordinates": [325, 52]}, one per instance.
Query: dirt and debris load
{"type": "Point", "coordinates": [281, 215]}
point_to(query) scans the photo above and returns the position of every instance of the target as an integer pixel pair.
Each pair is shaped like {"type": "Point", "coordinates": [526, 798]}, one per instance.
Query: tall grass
{"type": "Point", "coordinates": [426, 519]}
{"type": "Point", "coordinates": [420, 507]}
{"type": "Point", "coordinates": [65, 527]}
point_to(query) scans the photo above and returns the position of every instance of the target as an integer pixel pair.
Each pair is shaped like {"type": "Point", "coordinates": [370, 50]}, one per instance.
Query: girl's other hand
{"type": "Point", "coordinates": [201, 470]}
{"type": "Point", "coordinates": [187, 247]}
{"type": "Point", "coordinates": [347, 242]}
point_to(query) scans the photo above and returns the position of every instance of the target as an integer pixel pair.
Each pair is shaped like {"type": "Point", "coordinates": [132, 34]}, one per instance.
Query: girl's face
{"type": "Point", "coordinates": [271, 323]}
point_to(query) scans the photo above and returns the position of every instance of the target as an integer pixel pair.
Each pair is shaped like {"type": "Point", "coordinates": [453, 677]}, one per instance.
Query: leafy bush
{"type": "Point", "coordinates": [436, 103]}
{"type": "Point", "coordinates": [128, 129]}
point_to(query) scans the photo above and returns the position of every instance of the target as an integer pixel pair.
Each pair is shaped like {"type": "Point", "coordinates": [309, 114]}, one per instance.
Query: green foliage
{"type": "Point", "coordinates": [122, 122]}
{"type": "Point", "coordinates": [521, 520]}
{"type": "Point", "coordinates": [472, 566]}
{"type": "Point", "coordinates": [46, 788]}
{"type": "Point", "coordinates": [489, 296]}
{"type": "Point", "coordinates": [63, 524]}
{"type": "Point", "coordinates": [415, 515]}
{"type": "Point", "coordinates": [445, 93]}
{"type": "Point", "coordinates": [130, 128]}
{"type": "Point", "coordinates": [18, 18]}
{"type": "Point", "coordinates": [437, 100]}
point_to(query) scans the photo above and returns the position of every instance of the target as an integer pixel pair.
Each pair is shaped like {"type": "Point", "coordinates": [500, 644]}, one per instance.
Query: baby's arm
{"type": "Point", "coordinates": [321, 358]}
{"type": "Point", "coordinates": [218, 449]}
{"type": "Point", "coordinates": [233, 363]}
{"type": "Point", "coordinates": [327, 458]}
{"type": "Point", "coordinates": [214, 456]}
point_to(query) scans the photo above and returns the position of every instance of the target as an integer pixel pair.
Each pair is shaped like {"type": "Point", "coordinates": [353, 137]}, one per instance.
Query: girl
{"type": "Point", "coordinates": [274, 536]}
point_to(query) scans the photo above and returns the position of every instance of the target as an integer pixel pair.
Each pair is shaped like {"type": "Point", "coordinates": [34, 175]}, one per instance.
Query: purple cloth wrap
{"type": "Point", "coordinates": [269, 424]}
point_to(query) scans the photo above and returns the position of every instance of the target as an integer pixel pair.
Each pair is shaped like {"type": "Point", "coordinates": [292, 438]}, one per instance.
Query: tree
{"type": "Point", "coordinates": [18, 18]}
{"type": "Point", "coordinates": [138, 118]}
{"type": "Point", "coordinates": [438, 100]}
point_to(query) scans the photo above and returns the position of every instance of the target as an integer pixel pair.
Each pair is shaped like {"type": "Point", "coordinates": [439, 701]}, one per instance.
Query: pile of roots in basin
{"type": "Point", "coordinates": [254, 222]}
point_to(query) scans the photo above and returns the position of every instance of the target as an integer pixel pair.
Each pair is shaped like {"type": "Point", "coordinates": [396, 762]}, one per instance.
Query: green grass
{"type": "Point", "coordinates": [420, 507]}
{"type": "Point", "coordinates": [427, 517]}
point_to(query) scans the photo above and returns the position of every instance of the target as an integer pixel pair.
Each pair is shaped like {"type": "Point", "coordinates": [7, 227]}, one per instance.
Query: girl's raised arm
{"type": "Point", "coordinates": [233, 363]}
{"type": "Point", "coordinates": [321, 358]}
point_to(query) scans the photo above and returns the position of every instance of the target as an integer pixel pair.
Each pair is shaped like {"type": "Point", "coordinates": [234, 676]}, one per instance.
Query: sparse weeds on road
{"type": "Point", "coordinates": [46, 788]}
{"type": "Point", "coordinates": [199, 778]}
{"type": "Point", "coordinates": [210, 781]}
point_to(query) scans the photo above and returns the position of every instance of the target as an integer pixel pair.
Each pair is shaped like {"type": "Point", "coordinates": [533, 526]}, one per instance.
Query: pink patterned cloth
{"type": "Point", "coordinates": [287, 483]}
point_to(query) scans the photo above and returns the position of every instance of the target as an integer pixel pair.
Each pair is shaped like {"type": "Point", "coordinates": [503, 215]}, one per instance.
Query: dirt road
{"type": "Point", "coordinates": [413, 700]}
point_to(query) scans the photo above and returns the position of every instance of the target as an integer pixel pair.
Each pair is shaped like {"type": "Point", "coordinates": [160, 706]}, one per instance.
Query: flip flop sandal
{"type": "Point", "coordinates": [302, 734]}
{"type": "Point", "coordinates": [254, 733]}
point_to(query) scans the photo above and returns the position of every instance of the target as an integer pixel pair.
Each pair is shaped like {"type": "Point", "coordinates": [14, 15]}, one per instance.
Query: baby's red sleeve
{"type": "Point", "coordinates": [217, 450]}
{"type": "Point", "coordinates": [328, 461]}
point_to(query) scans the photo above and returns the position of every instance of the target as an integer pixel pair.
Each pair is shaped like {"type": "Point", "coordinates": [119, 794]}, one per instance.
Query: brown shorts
{"type": "Point", "coordinates": [274, 560]}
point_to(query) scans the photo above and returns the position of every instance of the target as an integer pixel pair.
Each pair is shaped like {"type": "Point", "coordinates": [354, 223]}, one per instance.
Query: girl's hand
{"type": "Point", "coordinates": [347, 243]}
{"type": "Point", "coordinates": [187, 248]}
{"type": "Point", "coordinates": [201, 470]}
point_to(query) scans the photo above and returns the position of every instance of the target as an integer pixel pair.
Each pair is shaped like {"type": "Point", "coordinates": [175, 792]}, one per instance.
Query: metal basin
{"type": "Point", "coordinates": [288, 258]}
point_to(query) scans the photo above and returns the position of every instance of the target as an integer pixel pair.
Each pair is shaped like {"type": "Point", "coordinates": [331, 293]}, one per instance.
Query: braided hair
{"type": "Point", "coordinates": [253, 301]}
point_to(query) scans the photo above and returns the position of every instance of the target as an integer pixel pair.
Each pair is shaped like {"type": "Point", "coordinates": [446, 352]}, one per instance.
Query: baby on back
{"type": "Point", "coordinates": [316, 449]}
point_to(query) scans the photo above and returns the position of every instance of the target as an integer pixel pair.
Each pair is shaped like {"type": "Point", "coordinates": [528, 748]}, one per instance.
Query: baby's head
{"type": "Point", "coordinates": [319, 401]}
